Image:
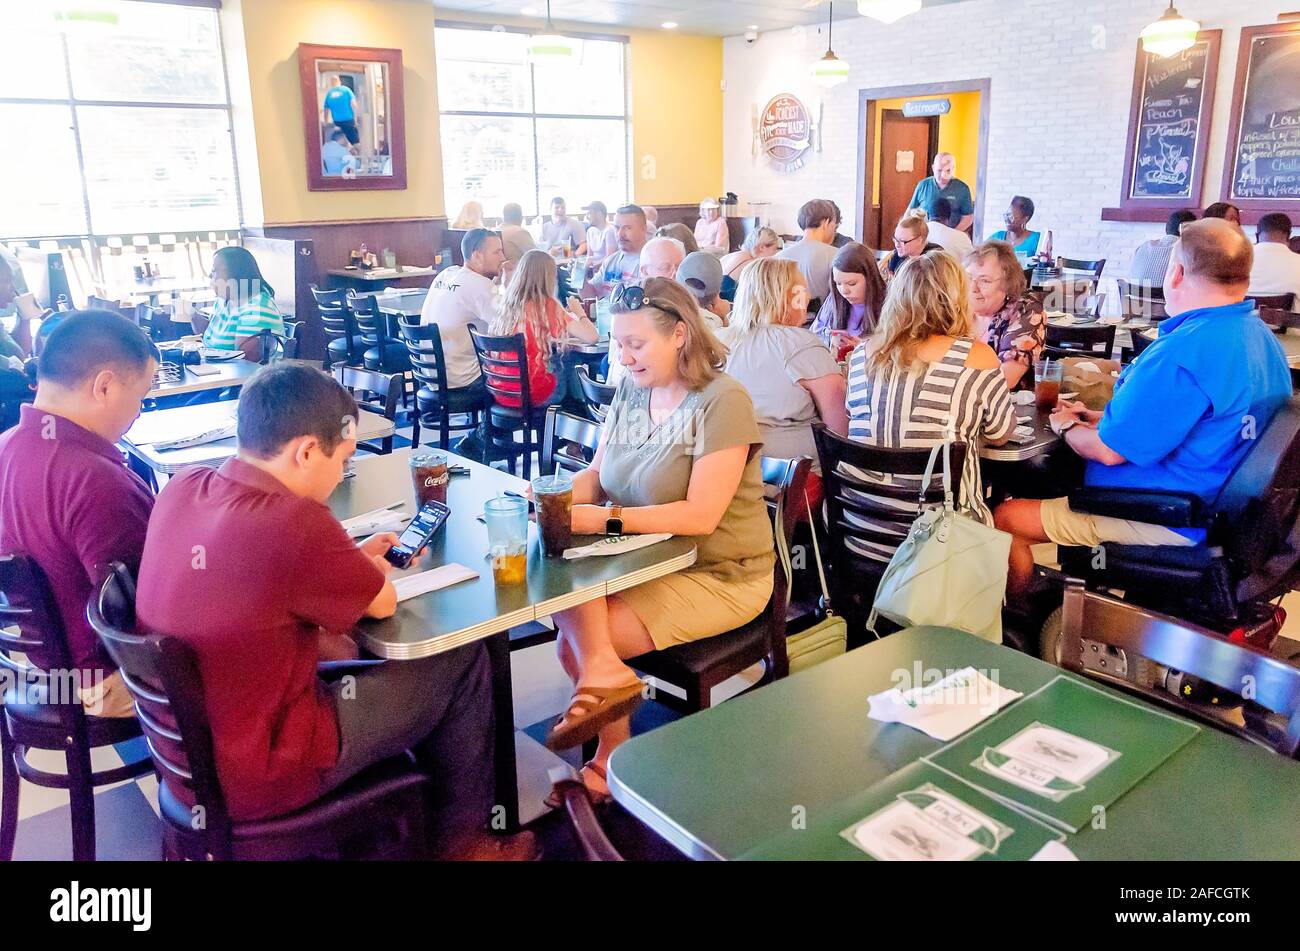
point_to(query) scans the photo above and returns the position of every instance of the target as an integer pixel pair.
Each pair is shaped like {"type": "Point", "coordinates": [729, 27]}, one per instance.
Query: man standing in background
{"type": "Point", "coordinates": [943, 185]}
{"type": "Point", "coordinates": [341, 106]}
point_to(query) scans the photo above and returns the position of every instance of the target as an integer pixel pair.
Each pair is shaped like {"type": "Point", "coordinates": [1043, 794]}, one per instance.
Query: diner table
{"type": "Point", "coordinates": [729, 782]}
{"type": "Point", "coordinates": [376, 277]}
{"type": "Point", "coordinates": [179, 421]}
{"type": "Point", "coordinates": [478, 609]}
{"type": "Point", "coordinates": [229, 374]}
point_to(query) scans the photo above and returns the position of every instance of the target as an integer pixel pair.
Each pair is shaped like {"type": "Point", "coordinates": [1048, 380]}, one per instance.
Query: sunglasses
{"type": "Point", "coordinates": [629, 298]}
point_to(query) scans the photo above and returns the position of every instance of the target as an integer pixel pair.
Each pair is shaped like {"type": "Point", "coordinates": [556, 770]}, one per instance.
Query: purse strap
{"type": "Point", "coordinates": [947, 475]}
{"type": "Point", "coordinates": [817, 555]}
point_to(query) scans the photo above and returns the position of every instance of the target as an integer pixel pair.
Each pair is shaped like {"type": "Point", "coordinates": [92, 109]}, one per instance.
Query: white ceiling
{"type": "Point", "coordinates": [708, 17]}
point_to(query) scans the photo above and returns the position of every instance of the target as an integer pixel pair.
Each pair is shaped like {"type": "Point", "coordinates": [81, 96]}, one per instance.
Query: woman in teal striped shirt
{"type": "Point", "coordinates": [245, 305]}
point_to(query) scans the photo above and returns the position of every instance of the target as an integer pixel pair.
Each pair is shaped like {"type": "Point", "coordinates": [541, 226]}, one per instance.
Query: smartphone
{"type": "Point", "coordinates": [423, 527]}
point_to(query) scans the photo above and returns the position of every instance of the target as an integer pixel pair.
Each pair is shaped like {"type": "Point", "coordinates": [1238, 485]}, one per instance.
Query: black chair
{"type": "Point", "coordinates": [276, 346]}
{"type": "Point", "coordinates": [504, 361]}
{"type": "Point", "coordinates": [103, 303]}
{"type": "Point", "coordinates": [568, 442]}
{"type": "Point", "coordinates": [701, 665]}
{"type": "Point", "coordinates": [376, 392]}
{"type": "Point", "coordinates": [1279, 319]}
{"type": "Point", "coordinates": [42, 711]}
{"type": "Point", "coordinates": [1140, 342]}
{"type": "Point", "coordinates": [1182, 666]}
{"type": "Point", "coordinates": [1250, 556]}
{"type": "Point", "coordinates": [1088, 341]}
{"type": "Point", "coordinates": [1141, 303]}
{"type": "Point", "coordinates": [343, 347]}
{"type": "Point", "coordinates": [435, 402]}
{"type": "Point", "coordinates": [597, 396]}
{"type": "Point", "coordinates": [1273, 301]}
{"type": "Point", "coordinates": [863, 533]}
{"type": "Point", "coordinates": [1080, 264]}
{"type": "Point", "coordinates": [381, 810]}
{"type": "Point", "coordinates": [573, 795]}
{"type": "Point", "coordinates": [381, 353]}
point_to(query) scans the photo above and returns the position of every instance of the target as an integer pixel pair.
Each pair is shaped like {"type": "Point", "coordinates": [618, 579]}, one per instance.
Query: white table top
{"type": "Point", "coordinates": [234, 373]}
{"type": "Point", "coordinates": [166, 424]}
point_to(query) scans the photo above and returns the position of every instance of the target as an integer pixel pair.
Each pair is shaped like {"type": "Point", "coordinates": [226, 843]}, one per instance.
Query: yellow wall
{"type": "Point", "coordinates": [676, 96]}
{"type": "Point", "coordinates": [959, 133]}
{"type": "Point", "coordinates": [272, 31]}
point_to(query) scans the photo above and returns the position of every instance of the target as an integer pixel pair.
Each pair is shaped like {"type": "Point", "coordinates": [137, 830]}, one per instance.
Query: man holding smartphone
{"type": "Point", "coordinates": [248, 566]}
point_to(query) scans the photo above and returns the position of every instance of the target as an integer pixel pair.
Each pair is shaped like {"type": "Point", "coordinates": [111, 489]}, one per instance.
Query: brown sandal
{"type": "Point", "coordinates": [552, 801]}
{"type": "Point", "coordinates": [584, 719]}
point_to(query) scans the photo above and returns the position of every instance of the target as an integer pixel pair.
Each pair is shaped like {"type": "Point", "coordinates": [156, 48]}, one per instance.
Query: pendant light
{"type": "Point", "coordinates": [1171, 34]}
{"type": "Point", "coordinates": [888, 11]}
{"type": "Point", "coordinates": [550, 48]}
{"type": "Point", "coordinates": [830, 70]}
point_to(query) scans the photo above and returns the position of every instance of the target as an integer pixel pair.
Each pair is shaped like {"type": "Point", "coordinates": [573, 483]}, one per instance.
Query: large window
{"type": "Point", "coordinates": [117, 124]}
{"type": "Point", "coordinates": [516, 132]}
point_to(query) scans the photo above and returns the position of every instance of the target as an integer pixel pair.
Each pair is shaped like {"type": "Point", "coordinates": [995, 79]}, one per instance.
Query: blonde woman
{"type": "Point", "coordinates": [529, 306]}
{"type": "Point", "coordinates": [911, 240]}
{"type": "Point", "coordinates": [922, 377]}
{"type": "Point", "coordinates": [791, 376]}
{"type": "Point", "coordinates": [680, 454]}
{"type": "Point", "coordinates": [470, 217]}
{"type": "Point", "coordinates": [760, 243]}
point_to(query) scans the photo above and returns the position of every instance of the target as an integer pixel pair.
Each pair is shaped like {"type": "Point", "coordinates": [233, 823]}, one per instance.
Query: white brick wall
{"type": "Point", "coordinates": [1061, 75]}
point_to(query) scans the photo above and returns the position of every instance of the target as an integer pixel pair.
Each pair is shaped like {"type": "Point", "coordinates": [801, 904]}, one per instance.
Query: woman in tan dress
{"type": "Point", "coordinates": [679, 453]}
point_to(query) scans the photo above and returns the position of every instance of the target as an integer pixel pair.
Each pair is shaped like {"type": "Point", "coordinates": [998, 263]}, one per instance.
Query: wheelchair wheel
{"type": "Point", "coordinates": [1049, 639]}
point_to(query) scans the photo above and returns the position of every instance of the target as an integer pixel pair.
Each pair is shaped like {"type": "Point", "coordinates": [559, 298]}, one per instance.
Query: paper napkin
{"type": "Point", "coordinates": [616, 545]}
{"type": "Point", "coordinates": [412, 586]}
{"type": "Point", "coordinates": [946, 708]}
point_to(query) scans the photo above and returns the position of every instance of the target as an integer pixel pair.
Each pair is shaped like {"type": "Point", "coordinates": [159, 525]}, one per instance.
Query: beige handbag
{"type": "Point", "coordinates": [828, 637]}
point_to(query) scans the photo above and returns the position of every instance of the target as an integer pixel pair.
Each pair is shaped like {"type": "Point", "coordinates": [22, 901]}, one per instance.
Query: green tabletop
{"type": "Point", "coordinates": [465, 612]}
{"type": "Point", "coordinates": [730, 782]}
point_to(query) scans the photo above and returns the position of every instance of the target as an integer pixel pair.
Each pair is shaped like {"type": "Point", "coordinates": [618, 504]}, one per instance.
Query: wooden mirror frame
{"type": "Point", "coordinates": [317, 180]}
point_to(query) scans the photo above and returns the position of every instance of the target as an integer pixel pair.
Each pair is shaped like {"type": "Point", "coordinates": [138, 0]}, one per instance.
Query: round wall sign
{"type": "Point", "coordinates": [785, 131]}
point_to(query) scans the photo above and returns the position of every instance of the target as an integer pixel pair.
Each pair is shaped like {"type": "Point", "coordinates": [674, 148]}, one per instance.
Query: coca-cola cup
{"type": "Point", "coordinates": [430, 475]}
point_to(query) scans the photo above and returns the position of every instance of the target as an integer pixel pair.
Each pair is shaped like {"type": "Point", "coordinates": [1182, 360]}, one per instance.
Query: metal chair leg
{"type": "Point", "coordinates": [8, 795]}
{"type": "Point", "coordinates": [81, 801]}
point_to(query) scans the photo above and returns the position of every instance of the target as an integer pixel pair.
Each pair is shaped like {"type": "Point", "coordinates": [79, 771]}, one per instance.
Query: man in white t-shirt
{"type": "Point", "coordinates": [1277, 268]}
{"type": "Point", "coordinates": [561, 232]}
{"type": "Point", "coordinates": [602, 236]}
{"type": "Point", "coordinates": [957, 243]}
{"type": "Point", "coordinates": [461, 297]}
{"type": "Point", "coordinates": [624, 265]}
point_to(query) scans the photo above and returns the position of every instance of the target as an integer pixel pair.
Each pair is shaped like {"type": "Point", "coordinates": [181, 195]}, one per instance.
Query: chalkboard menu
{"type": "Point", "coordinates": [1169, 126]}
{"type": "Point", "coordinates": [1263, 168]}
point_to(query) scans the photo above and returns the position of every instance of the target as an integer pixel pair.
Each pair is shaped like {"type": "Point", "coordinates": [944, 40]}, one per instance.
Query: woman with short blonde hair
{"type": "Point", "coordinates": [470, 217]}
{"type": "Point", "coordinates": [679, 453]}
{"type": "Point", "coordinates": [922, 378]}
{"type": "Point", "coordinates": [789, 372]}
{"type": "Point", "coordinates": [761, 243]}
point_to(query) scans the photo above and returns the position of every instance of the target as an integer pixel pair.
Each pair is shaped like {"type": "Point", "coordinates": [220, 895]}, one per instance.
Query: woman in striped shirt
{"type": "Point", "coordinates": [922, 378]}
{"type": "Point", "coordinates": [245, 305]}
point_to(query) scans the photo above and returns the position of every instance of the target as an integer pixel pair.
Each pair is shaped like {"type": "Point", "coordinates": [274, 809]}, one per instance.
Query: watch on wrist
{"type": "Point", "coordinates": [1066, 426]}
{"type": "Point", "coordinates": [614, 522]}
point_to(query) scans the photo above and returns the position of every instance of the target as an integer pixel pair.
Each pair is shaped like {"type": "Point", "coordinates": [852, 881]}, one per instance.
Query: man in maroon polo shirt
{"type": "Point", "coordinates": [247, 565]}
{"type": "Point", "coordinates": [66, 497]}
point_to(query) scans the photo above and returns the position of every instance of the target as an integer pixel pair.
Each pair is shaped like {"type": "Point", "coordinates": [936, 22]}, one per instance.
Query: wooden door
{"type": "Point", "coordinates": [907, 150]}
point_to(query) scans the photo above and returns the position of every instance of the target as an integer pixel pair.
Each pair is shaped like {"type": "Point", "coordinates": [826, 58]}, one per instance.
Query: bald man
{"type": "Point", "coordinates": [661, 257]}
{"type": "Point", "coordinates": [1184, 413]}
{"type": "Point", "coordinates": [943, 184]}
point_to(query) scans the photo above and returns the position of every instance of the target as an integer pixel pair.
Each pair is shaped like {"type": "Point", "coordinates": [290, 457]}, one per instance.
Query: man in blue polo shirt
{"type": "Point", "coordinates": [943, 184]}
{"type": "Point", "coordinates": [1184, 412]}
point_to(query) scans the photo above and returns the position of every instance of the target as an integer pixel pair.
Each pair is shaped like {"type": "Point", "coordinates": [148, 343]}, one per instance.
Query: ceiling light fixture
{"type": "Point", "coordinates": [1171, 34]}
{"type": "Point", "coordinates": [888, 11]}
{"type": "Point", "coordinates": [830, 70]}
{"type": "Point", "coordinates": [550, 48]}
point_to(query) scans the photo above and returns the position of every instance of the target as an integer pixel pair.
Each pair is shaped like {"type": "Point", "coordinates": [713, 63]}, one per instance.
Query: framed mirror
{"type": "Point", "coordinates": [353, 118]}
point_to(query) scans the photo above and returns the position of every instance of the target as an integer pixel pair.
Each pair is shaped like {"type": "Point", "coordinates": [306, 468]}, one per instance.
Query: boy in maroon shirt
{"type": "Point", "coordinates": [67, 499]}
{"type": "Point", "coordinates": [247, 565]}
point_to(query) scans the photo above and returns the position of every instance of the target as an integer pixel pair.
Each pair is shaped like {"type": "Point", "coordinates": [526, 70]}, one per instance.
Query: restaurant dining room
{"type": "Point", "coordinates": [558, 431]}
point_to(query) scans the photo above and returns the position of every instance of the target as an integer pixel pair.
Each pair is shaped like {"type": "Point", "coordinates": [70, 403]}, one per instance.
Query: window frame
{"type": "Point", "coordinates": [533, 115]}
{"type": "Point", "coordinates": [71, 102]}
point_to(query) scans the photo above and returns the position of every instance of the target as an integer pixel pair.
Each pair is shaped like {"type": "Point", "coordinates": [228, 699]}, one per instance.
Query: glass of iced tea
{"type": "Point", "coordinates": [430, 475]}
{"type": "Point", "coordinates": [507, 525]}
{"type": "Point", "coordinates": [1048, 375]}
{"type": "Point", "coordinates": [554, 497]}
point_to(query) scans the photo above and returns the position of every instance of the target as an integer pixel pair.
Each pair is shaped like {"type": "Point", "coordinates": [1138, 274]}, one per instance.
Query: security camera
{"type": "Point", "coordinates": [751, 36]}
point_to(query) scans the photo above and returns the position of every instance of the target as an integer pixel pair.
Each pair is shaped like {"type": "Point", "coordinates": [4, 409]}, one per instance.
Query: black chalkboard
{"type": "Point", "coordinates": [1266, 139]}
{"type": "Point", "coordinates": [1170, 114]}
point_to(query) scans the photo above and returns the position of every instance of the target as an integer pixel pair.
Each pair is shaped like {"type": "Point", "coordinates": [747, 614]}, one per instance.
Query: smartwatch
{"type": "Point", "coordinates": [614, 523]}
